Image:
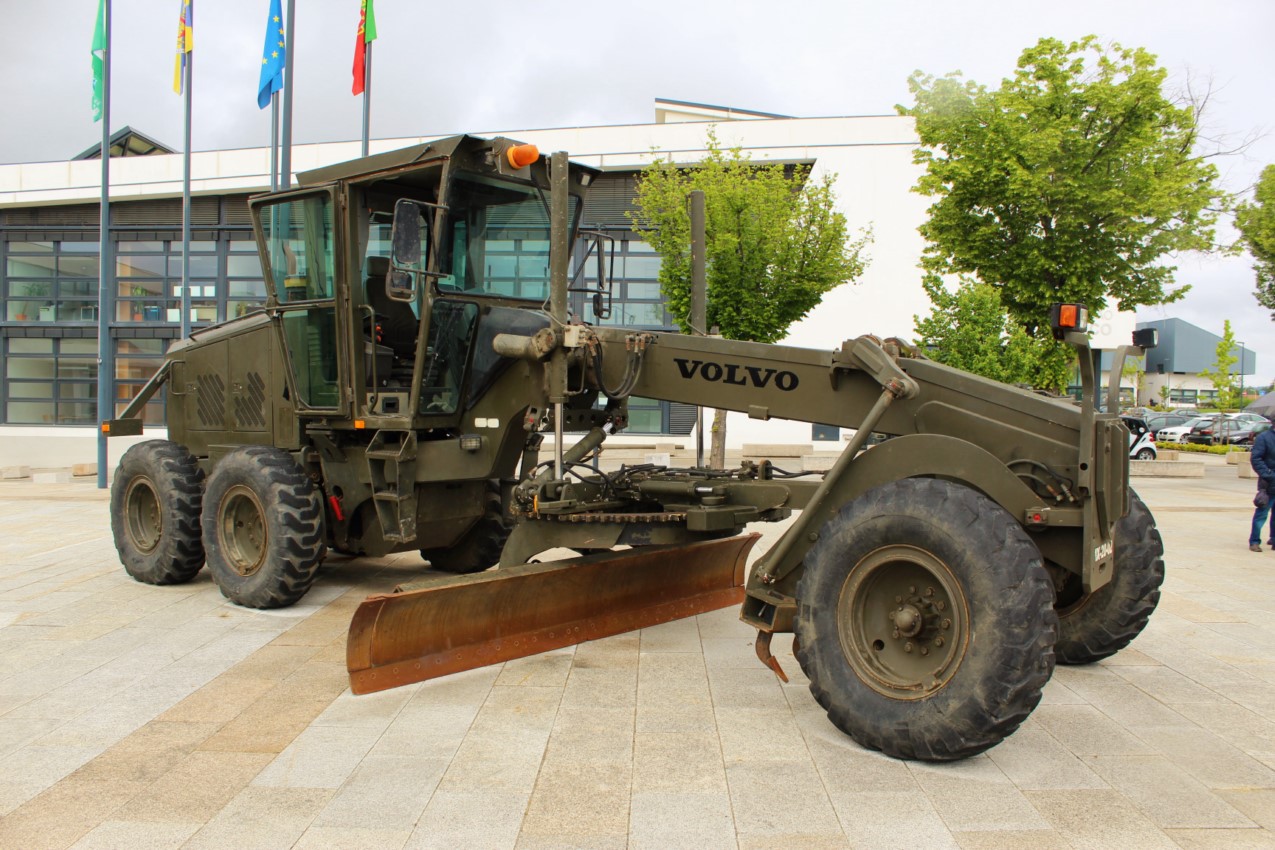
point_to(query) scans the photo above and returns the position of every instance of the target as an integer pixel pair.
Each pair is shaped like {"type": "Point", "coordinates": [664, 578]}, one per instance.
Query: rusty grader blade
{"type": "Point", "coordinates": [471, 621]}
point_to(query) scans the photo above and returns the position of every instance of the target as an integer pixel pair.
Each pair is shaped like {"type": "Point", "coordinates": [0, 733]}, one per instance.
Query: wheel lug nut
{"type": "Point", "coordinates": [947, 624]}
{"type": "Point", "coordinates": [938, 641]}
{"type": "Point", "coordinates": [912, 589]}
{"type": "Point", "coordinates": [925, 650]}
{"type": "Point", "coordinates": [929, 591]}
{"type": "Point", "coordinates": [898, 599]}
{"type": "Point", "coordinates": [907, 647]}
{"type": "Point", "coordinates": [941, 605]}
{"type": "Point", "coordinates": [896, 633]}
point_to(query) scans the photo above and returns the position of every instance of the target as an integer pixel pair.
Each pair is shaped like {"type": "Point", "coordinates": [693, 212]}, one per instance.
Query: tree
{"type": "Point", "coordinates": [1135, 369]}
{"type": "Point", "coordinates": [1220, 375]}
{"type": "Point", "coordinates": [969, 329]}
{"type": "Point", "coordinates": [1074, 181]}
{"type": "Point", "coordinates": [774, 243]}
{"type": "Point", "coordinates": [1256, 221]}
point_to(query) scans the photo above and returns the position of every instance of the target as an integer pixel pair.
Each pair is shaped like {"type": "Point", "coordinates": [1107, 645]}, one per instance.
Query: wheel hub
{"type": "Point", "coordinates": [902, 619]}
{"type": "Point", "coordinates": [144, 519]}
{"type": "Point", "coordinates": [243, 530]}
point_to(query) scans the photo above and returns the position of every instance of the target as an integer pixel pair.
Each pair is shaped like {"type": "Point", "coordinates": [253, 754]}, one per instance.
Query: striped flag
{"type": "Point", "coordinates": [98, 52]}
{"type": "Point", "coordinates": [185, 44]}
{"type": "Point", "coordinates": [366, 35]}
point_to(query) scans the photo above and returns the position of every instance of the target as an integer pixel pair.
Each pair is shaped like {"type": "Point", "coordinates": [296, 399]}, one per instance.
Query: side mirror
{"type": "Point", "coordinates": [405, 236]}
{"type": "Point", "coordinates": [408, 236]}
{"type": "Point", "coordinates": [401, 285]}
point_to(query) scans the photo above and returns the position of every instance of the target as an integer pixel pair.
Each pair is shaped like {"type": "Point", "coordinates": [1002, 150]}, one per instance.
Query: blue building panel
{"type": "Point", "coordinates": [1187, 349]}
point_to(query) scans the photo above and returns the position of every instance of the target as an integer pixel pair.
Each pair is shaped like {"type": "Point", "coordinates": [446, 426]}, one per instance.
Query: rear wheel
{"type": "Point", "coordinates": [481, 546]}
{"type": "Point", "coordinates": [1099, 624]}
{"type": "Point", "coordinates": [925, 621]}
{"type": "Point", "coordinates": [1146, 454]}
{"type": "Point", "coordinates": [155, 504]}
{"type": "Point", "coordinates": [263, 528]}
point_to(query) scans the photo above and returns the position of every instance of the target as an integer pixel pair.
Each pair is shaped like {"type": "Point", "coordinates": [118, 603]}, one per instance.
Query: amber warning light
{"type": "Point", "coordinates": [1068, 317]}
{"type": "Point", "coordinates": [520, 156]}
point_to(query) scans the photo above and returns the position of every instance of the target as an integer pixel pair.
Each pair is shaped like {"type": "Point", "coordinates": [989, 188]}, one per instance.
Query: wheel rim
{"type": "Point", "coordinates": [145, 521]}
{"type": "Point", "coordinates": [243, 530]}
{"type": "Point", "coordinates": [903, 621]}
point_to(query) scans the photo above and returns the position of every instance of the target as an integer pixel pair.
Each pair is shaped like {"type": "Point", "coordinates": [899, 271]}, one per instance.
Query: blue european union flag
{"type": "Point", "coordinates": [272, 56]}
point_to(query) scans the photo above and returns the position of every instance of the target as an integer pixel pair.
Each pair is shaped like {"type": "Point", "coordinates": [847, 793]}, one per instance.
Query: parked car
{"type": "Point", "coordinates": [1177, 433]}
{"type": "Point", "coordinates": [1141, 440]}
{"type": "Point", "coordinates": [1247, 436]}
{"type": "Point", "coordinates": [1223, 430]}
{"type": "Point", "coordinates": [1159, 421]}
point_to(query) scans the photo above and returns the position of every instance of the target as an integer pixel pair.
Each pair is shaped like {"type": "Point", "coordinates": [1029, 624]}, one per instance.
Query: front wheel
{"type": "Point", "coordinates": [925, 621]}
{"type": "Point", "coordinates": [1093, 626]}
{"type": "Point", "coordinates": [263, 528]}
{"type": "Point", "coordinates": [155, 503]}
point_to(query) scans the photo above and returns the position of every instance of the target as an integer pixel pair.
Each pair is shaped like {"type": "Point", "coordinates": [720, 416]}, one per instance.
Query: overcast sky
{"type": "Point", "coordinates": [500, 66]}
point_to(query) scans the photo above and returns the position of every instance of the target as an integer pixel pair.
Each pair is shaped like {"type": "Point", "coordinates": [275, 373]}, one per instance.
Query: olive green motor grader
{"type": "Point", "coordinates": [425, 328]}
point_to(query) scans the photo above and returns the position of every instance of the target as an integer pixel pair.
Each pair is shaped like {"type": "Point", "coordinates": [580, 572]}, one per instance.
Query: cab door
{"type": "Point", "coordinates": [297, 233]}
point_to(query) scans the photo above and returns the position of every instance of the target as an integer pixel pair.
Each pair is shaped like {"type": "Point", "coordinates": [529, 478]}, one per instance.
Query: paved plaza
{"type": "Point", "coordinates": [147, 717]}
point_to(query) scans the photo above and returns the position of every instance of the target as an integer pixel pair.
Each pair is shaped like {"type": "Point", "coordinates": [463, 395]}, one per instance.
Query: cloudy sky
{"type": "Point", "coordinates": [498, 65]}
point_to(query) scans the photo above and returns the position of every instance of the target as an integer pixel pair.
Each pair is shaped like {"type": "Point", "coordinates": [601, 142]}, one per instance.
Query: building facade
{"type": "Point", "coordinates": [49, 255]}
{"type": "Point", "coordinates": [1173, 367]}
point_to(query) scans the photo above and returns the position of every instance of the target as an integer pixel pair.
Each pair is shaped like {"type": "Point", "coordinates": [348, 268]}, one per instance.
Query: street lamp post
{"type": "Point", "coordinates": [1241, 376]}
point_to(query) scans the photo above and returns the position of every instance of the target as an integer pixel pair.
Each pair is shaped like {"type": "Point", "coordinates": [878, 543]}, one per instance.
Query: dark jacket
{"type": "Point", "coordinates": [1263, 456]}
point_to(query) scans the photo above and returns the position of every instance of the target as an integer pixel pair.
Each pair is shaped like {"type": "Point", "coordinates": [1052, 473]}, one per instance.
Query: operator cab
{"type": "Point", "coordinates": [446, 245]}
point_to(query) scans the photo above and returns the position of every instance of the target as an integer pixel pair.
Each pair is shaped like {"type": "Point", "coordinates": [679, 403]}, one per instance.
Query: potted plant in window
{"type": "Point", "coordinates": [25, 310]}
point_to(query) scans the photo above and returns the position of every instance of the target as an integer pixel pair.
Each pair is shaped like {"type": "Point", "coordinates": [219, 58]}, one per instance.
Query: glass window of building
{"type": "Point", "coordinates": [50, 381]}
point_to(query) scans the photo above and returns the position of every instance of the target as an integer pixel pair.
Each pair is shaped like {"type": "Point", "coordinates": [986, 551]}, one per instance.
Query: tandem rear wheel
{"type": "Point", "coordinates": [925, 621]}
{"type": "Point", "coordinates": [262, 527]}
{"type": "Point", "coordinates": [480, 547]}
{"type": "Point", "coordinates": [156, 497]}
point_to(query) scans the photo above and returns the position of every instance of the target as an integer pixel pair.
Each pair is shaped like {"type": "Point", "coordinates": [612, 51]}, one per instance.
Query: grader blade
{"type": "Point", "coordinates": [485, 618]}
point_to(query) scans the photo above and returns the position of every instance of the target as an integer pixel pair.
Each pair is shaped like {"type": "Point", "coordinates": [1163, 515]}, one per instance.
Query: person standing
{"type": "Point", "coordinates": [1263, 460]}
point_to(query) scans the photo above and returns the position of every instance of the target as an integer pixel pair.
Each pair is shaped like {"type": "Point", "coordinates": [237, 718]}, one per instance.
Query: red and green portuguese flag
{"type": "Point", "coordinates": [366, 34]}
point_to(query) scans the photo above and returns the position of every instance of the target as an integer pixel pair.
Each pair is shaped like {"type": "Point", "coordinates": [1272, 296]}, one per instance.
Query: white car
{"type": "Point", "coordinates": [1177, 433]}
{"type": "Point", "coordinates": [1141, 440]}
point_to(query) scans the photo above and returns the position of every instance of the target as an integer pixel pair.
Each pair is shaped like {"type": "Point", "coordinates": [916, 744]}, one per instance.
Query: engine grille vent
{"type": "Point", "coordinates": [210, 400]}
{"type": "Point", "coordinates": [250, 405]}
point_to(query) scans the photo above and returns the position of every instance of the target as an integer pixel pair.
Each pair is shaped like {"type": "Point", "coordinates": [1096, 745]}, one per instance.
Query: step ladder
{"type": "Point", "coordinates": [391, 462]}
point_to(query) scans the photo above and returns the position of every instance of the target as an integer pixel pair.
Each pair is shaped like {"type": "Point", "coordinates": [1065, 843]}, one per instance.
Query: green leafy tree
{"type": "Point", "coordinates": [969, 329]}
{"type": "Point", "coordinates": [1220, 375]}
{"type": "Point", "coordinates": [1135, 369]}
{"type": "Point", "coordinates": [1074, 181]}
{"type": "Point", "coordinates": [774, 243]}
{"type": "Point", "coordinates": [1256, 221]}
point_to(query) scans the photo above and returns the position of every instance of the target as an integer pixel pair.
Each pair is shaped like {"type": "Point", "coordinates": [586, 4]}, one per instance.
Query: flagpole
{"type": "Point", "coordinates": [190, 85]}
{"type": "Point", "coordinates": [274, 142]}
{"type": "Point", "coordinates": [285, 168]}
{"type": "Point", "coordinates": [105, 358]}
{"type": "Point", "coordinates": [367, 93]}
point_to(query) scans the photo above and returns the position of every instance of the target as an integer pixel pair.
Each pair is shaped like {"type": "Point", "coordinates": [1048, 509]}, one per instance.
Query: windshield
{"type": "Point", "coordinates": [499, 239]}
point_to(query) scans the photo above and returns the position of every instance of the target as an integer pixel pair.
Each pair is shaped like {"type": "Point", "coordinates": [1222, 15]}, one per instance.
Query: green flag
{"type": "Point", "coordinates": [98, 52]}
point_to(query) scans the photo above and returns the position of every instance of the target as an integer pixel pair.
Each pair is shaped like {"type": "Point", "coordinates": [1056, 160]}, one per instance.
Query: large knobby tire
{"type": "Point", "coordinates": [1099, 624]}
{"type": "Point", "coordinates": [155, 504]}
{"type": "Point", "coordinates": [925, 621]}
{"type": "Point", "coordinates": [481, 546]}
{"type": "Point", "coordinates": [263, 527]}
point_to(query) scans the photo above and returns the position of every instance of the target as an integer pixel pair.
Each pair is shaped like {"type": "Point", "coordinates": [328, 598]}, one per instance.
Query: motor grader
{"type": "Point", "coordinates": [425, 330]}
